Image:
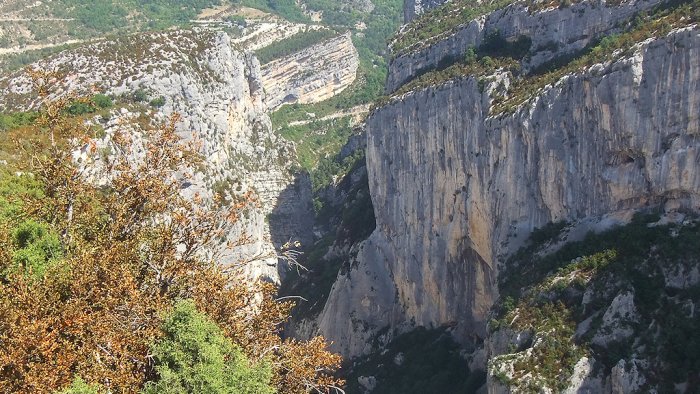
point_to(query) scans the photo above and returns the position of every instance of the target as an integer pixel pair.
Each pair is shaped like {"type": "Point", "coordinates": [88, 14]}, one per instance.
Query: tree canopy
{"type": "Point", "coordinates": [93, 274]}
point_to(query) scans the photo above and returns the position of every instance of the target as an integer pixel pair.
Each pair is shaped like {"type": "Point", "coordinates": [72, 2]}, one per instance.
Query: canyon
{"type": "Point", "coordinates": [507, 150]}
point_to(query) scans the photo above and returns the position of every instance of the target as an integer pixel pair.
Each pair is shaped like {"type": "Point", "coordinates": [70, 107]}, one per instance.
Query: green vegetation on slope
{"type": "Point", "coordinates": [113, 15]}
{"type": "Point", "coordinates": [287, 9]}
{"type": "Point", "coordinates": [658, 23]}
{"type": "Point", "coordinates": [293, 44]}
{"type": "Point", "coordinates": [544, 295]}
{"type": "Point", "coordinates": [418, 362]}
{"type": "Point", "coordinates": [441, 21]}
{"type": "Point", "coordinates": [495, 54]}
{"type": "Point", "coordinates": [319, 140]}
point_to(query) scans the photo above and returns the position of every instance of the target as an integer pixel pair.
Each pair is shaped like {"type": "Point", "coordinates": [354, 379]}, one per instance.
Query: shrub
{"type": "Point", "coordinates": [36, 246]}
{"type": "Point", "coordinates": [102, 101]}
{"type": "Point", "coordinates": [139, 95]}
{"type": "Point", "coordinates": [195, 357]}
{"type": "Point", "coordinates": [158, 102]}
{"type": "Point", "coordinates": [80, 387]}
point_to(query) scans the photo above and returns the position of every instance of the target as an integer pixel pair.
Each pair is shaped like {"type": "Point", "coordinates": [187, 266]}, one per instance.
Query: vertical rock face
{"type": "Point", "coordinates": [455, 189]}
{"type": "Point", "coordinates": [314, 74]}
{"type": "Point", "coordinates": [413, 8]}
{"type": "Point", "coordinates": [218, 90]}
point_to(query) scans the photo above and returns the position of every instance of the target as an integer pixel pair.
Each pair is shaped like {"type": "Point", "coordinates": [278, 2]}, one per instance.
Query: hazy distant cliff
{"type": "Point", "coordinates": [314, 74]}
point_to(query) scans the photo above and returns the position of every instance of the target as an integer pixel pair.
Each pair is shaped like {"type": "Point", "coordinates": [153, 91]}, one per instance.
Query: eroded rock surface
{"type": "Point", "coordinates": [454, 187]}
{"type": "Point", "coordinates": [314, 74]}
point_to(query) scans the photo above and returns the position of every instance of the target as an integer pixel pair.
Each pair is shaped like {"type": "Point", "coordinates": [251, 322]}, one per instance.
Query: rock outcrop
{"type": "Point", "coordinates": [553, 32]}
{"type": "Point", "coordinates": [218, 90]}
{"type": "Point", "coordinates": [455, 189]}
{"type": "Point", "coordinates": [314, 74]}
{"type": "Point", "coordinates": [261, 33]}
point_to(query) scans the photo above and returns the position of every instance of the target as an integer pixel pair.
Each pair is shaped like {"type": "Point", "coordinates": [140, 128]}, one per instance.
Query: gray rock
{"type": "Point", "coordinates": [218, 91]}
{"type": "Point", "coordinates": [413, 8]}
{"type": "Point", "coordinates": [451, 185]}
{"type": "Point", "coordinates": [312, 75]}
{"type": "Point", "coordinates": [554, 32]}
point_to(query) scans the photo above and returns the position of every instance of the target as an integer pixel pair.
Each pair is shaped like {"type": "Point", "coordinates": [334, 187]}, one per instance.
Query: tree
{"type": "Point", "coordinates": [80, 387]}
{"type": "Point", "coordinates": [131, 248]}
{"type": "Point", "coordinates": [194, 356]}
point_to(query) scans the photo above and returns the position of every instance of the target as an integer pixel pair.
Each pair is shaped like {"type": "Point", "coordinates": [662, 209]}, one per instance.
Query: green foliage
{"type": "Point", "coordinates": [195, 357]}
{"type": "Point", "coordinates": [237, 20]}
{"type": "Point", "coordinates": [14, 190]}
{"type": "Point", "coordinates": [36, 248]}
{"type": "Point", "coordinates": [470, 56]}
{"type": "Point", "coordinates": [101, 16]}
{"type": "Point", "coordinates": [431, 364]}
{"type": "Point", "coordinates": [317, 140]}
{"type": "Point", "coordinates": [548, 292]}
{"type": "Point", "coordinates": [102, 101]}
{"type": "Point", "coordinates": [496, 45]}
{"type": "Point", "coordinates": [14, 120]}
{"type": "Point", "coordinates": [556, 355]}
{"type": "Point", "coordinates": [440, 22]}
{"type": "Point", "coordinates": [293, 44]}
{"type": "Point", "coordinates": [110, 16]}
{"type": "Point", "coordinates": [80, 387]}
{"type": "Point", "coordinates": [139, 95]}
{"type": "Point", "coordinates": [546, 233]}
{"type": "Point", "coordinates": [288, 9]}
{"type": "Point", "coordinates": [485, 65]}
{"type": "Point", "coordinates": [658, 23]}
{"type": "Point", "coordinates": [16, 61]}
{"type": "Point", "coordinates": [80, 107]}
{"type": "Point", "coordinates": [157, 102]}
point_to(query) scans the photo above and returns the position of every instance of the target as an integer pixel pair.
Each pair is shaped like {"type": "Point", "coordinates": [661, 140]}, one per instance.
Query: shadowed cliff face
{"type": "Point", "coordinates": [454, 190]}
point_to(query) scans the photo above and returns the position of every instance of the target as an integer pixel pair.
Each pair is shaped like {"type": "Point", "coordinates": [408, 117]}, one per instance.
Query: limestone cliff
{"type": "Point", "coordinates": [456, 188]}
{"type": "Point", "coordinates": [314, 74]}
{"type": "Point", "coordinates": [553, 32]}
{"type": "Point", "coordinates": [218, 90]}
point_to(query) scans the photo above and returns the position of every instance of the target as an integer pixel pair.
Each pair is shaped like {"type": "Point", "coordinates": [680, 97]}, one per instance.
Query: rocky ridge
{"type": "Point", "coordinates": [552, 33]}
{"type": "Point", "coordinates": [413, 8]}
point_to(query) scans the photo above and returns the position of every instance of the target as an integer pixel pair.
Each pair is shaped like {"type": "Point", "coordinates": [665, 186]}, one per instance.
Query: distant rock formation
{"type": "Point", "coordinates": [314, 74]}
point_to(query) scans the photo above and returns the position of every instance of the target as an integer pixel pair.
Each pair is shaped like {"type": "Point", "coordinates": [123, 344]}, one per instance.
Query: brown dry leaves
{"type": "Point", "coordinates": [130, 251]}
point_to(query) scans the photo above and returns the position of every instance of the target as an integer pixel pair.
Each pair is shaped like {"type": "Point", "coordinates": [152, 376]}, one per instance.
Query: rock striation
{"type": "Point", "coordinates": [455, 188]}
{"type": "Point", "coordinates": [314, 74]}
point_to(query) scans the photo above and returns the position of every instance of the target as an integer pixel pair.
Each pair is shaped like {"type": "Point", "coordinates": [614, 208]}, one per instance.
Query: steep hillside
{"type": "Point", "coordinates": [218, 92]}
{"type": "Point", "coordinates": [522, 115]}
{"type": "Point", "coordinates": [613, 312]}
